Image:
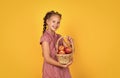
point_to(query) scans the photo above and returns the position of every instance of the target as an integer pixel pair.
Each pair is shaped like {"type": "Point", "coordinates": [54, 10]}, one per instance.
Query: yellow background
{"type": "Point", "coordinates": [93, 24]}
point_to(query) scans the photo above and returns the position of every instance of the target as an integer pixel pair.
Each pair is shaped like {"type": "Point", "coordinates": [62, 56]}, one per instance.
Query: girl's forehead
{"type": "Point", "coordinates": [55, 17]}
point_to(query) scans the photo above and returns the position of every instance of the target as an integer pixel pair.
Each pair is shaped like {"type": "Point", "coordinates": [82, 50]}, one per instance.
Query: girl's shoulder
{"type": "Point", "coordinates": [45, 37]}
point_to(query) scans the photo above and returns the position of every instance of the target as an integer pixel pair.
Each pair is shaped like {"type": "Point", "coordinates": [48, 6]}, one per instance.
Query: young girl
{"type": "Point", "coordinates": [51, 67]}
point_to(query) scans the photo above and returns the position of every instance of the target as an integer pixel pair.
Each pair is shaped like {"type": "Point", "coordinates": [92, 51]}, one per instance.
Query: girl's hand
{"type": "Point", "coordinates": [66, 65]}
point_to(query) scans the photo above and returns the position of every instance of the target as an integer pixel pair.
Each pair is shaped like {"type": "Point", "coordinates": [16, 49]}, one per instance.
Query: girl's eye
{"type": "Point", "coordinates": [58, 22]}
{"type": "Point", "coordinates": [53, 21]}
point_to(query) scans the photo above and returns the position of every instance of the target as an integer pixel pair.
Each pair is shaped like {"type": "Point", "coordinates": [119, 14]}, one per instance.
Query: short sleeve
{"type": "Point", "coordinates": [44, 38]}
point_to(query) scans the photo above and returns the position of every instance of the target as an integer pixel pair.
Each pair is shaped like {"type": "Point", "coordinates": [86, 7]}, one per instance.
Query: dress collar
{"type": "Point", "coordinates": [50, 33]}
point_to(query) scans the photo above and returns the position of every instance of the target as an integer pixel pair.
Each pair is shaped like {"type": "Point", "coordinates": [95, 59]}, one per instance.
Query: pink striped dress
{"type": "Point", "coordinates": [51, 71]}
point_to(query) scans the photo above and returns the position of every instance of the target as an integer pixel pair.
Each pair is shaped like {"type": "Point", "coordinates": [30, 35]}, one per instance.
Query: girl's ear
{"type": "Point", "coordinates": [47, 21]}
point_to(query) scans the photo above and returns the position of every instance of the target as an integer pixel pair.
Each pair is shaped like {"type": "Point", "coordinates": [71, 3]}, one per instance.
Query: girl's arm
{"type": "Point", "coordinates": [47, 57]}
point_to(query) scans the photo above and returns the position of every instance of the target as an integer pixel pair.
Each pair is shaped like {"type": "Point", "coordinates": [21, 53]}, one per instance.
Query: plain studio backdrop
{"type": "Point", "coordinates": [93, 24]}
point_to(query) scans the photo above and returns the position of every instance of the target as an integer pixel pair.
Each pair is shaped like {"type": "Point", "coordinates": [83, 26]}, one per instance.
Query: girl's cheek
{"type": "Point", "coordinates": [57, 26]}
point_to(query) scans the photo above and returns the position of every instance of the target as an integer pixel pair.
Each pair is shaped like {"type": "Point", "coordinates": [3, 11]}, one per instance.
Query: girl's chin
{"type": "Point", "coordinates": [54, 29]}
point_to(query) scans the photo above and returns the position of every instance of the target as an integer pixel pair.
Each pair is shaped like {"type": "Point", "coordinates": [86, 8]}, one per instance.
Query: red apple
{"type": "Point", "coordinates": [61, 47]}
{"type": "Point", "coordinates": [68, 50]}
{"type": "Point", "coordinates": [61, 52]}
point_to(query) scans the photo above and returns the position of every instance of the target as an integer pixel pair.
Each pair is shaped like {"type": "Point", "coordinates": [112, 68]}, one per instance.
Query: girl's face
{"type": "Point", "coordinates": [53, 22]}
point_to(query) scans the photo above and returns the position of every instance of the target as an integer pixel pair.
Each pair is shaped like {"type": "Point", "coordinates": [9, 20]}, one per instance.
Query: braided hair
{"type": "Point", "coordinates": [47, 16]}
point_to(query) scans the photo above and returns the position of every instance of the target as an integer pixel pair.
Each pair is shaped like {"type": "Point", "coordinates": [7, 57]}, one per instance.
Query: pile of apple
{"type": "Point", "coordinates": [64, 50]}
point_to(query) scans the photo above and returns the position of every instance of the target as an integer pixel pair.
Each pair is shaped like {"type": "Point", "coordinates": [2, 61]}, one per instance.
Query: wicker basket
{"type": "Point", "coordinates": [64, 58]}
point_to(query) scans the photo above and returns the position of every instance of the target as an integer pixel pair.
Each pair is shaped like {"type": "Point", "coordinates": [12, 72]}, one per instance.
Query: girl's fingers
{"type": "Point", "coordinates": [69, 63]}
{"type": "Point", "coordinates": [64, 66]}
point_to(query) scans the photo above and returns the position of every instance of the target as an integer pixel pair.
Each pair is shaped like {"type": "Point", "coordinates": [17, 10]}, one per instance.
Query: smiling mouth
{"type": "Point", "coordinates": [54, 27]}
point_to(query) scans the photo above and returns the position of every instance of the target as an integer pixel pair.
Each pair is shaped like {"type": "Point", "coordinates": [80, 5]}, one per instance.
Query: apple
{"type": "Point", "coordinates": [61, 52]}
{"type": "Point", "coordinates": [68, 50]}
{"type": "Point", "coordinates": [61, 47]}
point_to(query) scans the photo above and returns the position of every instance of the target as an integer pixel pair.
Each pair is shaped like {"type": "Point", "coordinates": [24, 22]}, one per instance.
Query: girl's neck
{"type": "Point", "coordinates": [52, 32]}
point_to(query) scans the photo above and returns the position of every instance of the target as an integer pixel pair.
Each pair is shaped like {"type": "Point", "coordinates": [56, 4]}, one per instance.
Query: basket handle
{"type": "Point", "coordinates": [72, 44]}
